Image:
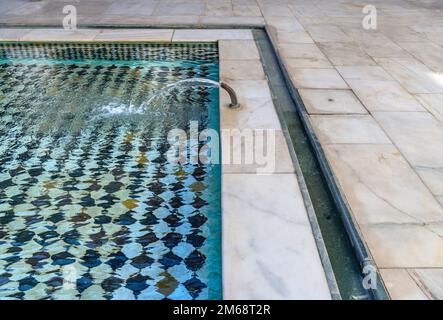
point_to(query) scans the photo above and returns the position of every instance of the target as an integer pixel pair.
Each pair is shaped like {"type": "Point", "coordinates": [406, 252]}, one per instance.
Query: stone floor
{"type": "Point", "coordinates": [375, 99]}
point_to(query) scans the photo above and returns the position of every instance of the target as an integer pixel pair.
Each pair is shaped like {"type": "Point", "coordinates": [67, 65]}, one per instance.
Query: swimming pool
{"type": "Point", "coordinates": [90, 207]}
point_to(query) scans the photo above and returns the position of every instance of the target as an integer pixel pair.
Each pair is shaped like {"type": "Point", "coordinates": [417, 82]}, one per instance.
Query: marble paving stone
{"type": "Point", "coordinates": [430, 54]}
{"type": "Point", "coordinates": [440, 199]}
{"type": "Point", "coordinates": [255, 151]}
{"type": "Point", "coordinates": [244, 2]}
{"type": "Point", "coordinates": [256, 111]}
{"type": "Point", "coordinates": [401, 286]}
{"type": "Point", "coordinates": [413, 75]}
{"type": "Point", "coordinates": [325, 33]}
{"type": "Point", "coordinates": [437, 228]}
{"type": "Point", "coordinates": [280, 256]}
{"type": "Point", "coordinates": [275, 10]}
{"type": "Point", "coordinates": [431, 280]}
{"type": "Point", "coordinates": [87, 12]}
{"type": "Point", "coordinates": [179, 9]}
{"type": "Point", "coordinates": [404, 246]}
{"type": "Point", "coordinates": [364, 73]}
{"type": "Point", "coordinates": [312, 61]}
{"type": "Point", "coordinates": [60, 35]}
{"type": "Point", "coordinates": [346, 54]}
{"type": "Point", "coordinates": [376, 44]}
{"type": "Point", "coordinates": [241, 70]}
{"type": "Point", "coordinates": [317, 78]}
{"type": "Point", "coordinates": [238, 50]}
{"type": "Point", "coordinates": [319, 101]}
{"type": "Point", "coordinates": [211, 35]}
{"type": "Point", "coordinates": [384, 96]}
{"type": "Point", "coordinates": [132, 8]}
{"type": "Point", "coordinates": [380, 186]}
{"type": "Point", "coordinates": [156, 21]}
{"type": "Point", "coordinates": [427, 27]}
{"type": "Point", "coordinates": [249, 89]}
{"type": "Point", "coordinates": [433, 103]}
{"type": "Point", "coordinates": [245, 22]}
{"type": "Point", "coordinates": [400, 34]}
{"type": "Point", "coordinates": [293, 37]}
{"type": "Point", "coordinates": [12, 34]}
{"type": "Point", "coordinates": [436, 37]}
{"type": "Point", "coordinates": [385, 50]}
{"type": "Point", "coordinates": [25, 8]}
{"type": "Point", "coordinates": [419, 136]}
{"type": "Point", "coordinates": [305, 9]}
{"type": "Point", "coordinates": [284, 24]}
{"type": "Point", "coordinates": [302, 55]}
{"type": "Point", "coordinates": [219, 8]}
{"type": "Point", "coordinates": [332, 129]}
{"type": "Point", "coordinates": [6, 5]}
{"type": "Point", "coordinates": [161, 35]}
{"type": "Point", "coordinates": [249, 10]}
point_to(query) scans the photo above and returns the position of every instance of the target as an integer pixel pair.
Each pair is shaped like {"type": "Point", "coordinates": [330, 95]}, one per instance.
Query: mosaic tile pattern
{"type": "Point", "coordinates": [89, 206]}
{"type": "Point", "coordinates": [202, 52]}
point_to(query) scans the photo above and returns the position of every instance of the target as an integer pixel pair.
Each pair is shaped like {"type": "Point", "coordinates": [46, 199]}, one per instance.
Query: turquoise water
{"type": "Point", "coordinates": [90, 207]}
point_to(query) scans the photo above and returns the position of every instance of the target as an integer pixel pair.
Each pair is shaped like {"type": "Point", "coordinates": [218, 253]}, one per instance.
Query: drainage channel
{"type": "Point", "coordinates": [344, 260]}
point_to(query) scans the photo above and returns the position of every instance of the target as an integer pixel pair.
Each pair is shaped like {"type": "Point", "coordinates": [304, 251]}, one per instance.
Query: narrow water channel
{"type": "Point", "coordinates": [345, 264]}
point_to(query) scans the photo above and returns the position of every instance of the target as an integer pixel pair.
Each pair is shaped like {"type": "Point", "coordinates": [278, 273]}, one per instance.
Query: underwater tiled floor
{"type": "Point", "coordinates": [89, 206]}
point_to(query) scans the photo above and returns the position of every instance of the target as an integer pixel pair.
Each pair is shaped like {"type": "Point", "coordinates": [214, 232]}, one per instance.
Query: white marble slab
{"type": "Point", "coordinates": [413, 75]}
{"type": "Point", "coordinates": [380, 186]}
{"type": "Point", "coordinates": [317, 78]}
{"type": "Point", "coordinates": [433, 102]}
{"type": "Point", "coordinates": [385, 50]}
{"type": "Point", "coordinates": [346, 54]}
{"type": "Point", "coordinates": [60, 35]}
{"type": "Point", "coordinates": [131, 7]}
{"type": "Point", "coordinates": [364, 73]}
{"type": "Point", "coordinates": [401, 286]}
{"type": "Point", "coordinates": [431, 280]}
{"type": "Point", "coordinates": [404, 245]}
{"type": "Point", "coordinates": [303, 55]}
{"type": "Point", "coordinates": [419, 137]}
{"type": "Point", "coordinates": [293, 37]}
{"type": "Point", "coordinates": [241, 70]}
{"type": "Point", "coordinates": [242, 9]}
{"type": "Point", "coordinates": [219, 8]}
{"type": "Point", "coordinates": [241, 21]}
{"type": "Point", "coordinates": [265, 152]}
{"type": "Point", "coordinates": [238, 50]}
{"type": "Point", "coordinates": [137, 35]}
{"type": "Point", "coordinates": [323, 101]}
{"type": "Point", "coordinates": [333, 129]}
{"type": "Point", "coordinates": [428, 53]}
{"type": "Point", "coordinates": [384, 96]}
{"type": "Point", "coordinates": [9, 34]}
{"type": "Point", "coordinates": [211, 35]}
{"type": "Point", "coordinates": [284, 24]}
{"type": "Point", "coordinates": [275, 9]}
{"type": "Point", "coordinates": [257, 113]}
{"type": "Point", "coordinates": [268, 248]}
{"type": "Point", "coordinates": [325, 33]}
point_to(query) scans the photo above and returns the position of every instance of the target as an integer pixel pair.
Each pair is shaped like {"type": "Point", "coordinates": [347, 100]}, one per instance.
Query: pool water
{"type": "Point", "coordinates": [90, 208]}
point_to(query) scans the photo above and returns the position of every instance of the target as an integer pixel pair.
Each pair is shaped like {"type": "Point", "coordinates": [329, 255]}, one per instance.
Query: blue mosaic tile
{"type": "Point", "coordinates": [90, 208]}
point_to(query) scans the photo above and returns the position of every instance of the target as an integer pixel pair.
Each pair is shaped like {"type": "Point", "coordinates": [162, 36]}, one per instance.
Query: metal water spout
{"type": "Point", "coordinates": [234, 101]}
{"type": "Point", "coordinates": [197, 82]}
